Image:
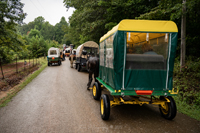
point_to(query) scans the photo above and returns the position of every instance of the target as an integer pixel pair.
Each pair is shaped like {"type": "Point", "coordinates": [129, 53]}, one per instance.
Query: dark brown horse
{"type": "Point", "coordinates": [93, 68]}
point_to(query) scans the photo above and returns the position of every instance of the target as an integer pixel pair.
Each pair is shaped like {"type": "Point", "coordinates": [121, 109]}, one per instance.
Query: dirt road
{"type": "Point", "coordinates": [58, 101]}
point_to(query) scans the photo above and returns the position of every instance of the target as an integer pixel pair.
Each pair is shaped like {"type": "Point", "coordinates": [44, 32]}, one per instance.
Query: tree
{"type": "Point", "coordinates": [172, 10]}
{"type": "Point", "coordinates": [59, 32]}
{"type": "Point", "coordinates": [45, 28]}
{"type": "Point", "coordinates": [92, 19]}
{"type": "Point", "coordinates": [34, 33]}
{"type": "Point", "coordinates": [11, 13]}
{"type": "Point", "coordinates": [39, 22]}
{"type": "Point", "coordinates": [183, 32]}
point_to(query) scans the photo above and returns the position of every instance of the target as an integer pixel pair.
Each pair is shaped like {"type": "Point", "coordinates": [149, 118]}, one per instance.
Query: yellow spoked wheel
{"type": "Point", "coordinates": [102, 107]}
{"type": "Point", "coordinates": [168, 109]}
{"type": "Point", "coordinates": [105, 107]}
{"type": "Point", "coordinates": [96, 91]}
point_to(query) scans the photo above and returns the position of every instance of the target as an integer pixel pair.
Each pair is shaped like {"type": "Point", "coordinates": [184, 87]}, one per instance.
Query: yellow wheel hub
{"type": "Point", "coordinates": [94, 90]}
{"type": "Point", "coordinates": [165, 108]}
{"type": "Point", "coordinates": [102, 107]}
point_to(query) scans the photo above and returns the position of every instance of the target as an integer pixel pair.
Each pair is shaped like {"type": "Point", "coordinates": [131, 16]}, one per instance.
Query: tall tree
{"type": "Point", "coordinates": [92, 19]}
{"type": "Point", "coordinates": [39, 23]}
{"type": "Point", "coordinates": [11, 13]}
{"type": "Point", "coordinates": [172, 10]}
{"type": "Point", "coordinates": [183, 32]}
{"type": "Point", "coordinates": [59, 30]}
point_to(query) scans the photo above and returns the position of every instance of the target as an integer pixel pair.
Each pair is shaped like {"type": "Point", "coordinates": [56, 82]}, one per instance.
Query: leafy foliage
{"type": "Point", "coordinates": [11, 13]}
{"type": "Point", "coordinates": [172, 10]}
{"type": "Point", "coordinates": [34, 33]}
{"type": "Point", "coordinates": [59, 30]}
{"type": "Point", "coordinates": [92, 19]}
{"type": "Point", "coordinates": [188, 83]}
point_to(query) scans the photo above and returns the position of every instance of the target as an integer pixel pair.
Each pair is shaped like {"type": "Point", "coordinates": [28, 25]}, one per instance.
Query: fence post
{"type": "Point", "coordinates": [1, 68]}
{"type": "Point", "coordinates": [16, 65]}
{"type": "Point", "coordinates": [33, 61]}
{"type": "Point", "coordinates": [24, 64]}
{"type": "Point", "coordinates": [29, 64]}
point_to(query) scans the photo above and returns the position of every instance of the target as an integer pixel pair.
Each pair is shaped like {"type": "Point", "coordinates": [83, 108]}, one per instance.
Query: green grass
{"type": "Point", "coordinates": [188, 83]}
{"type": "Point", "coordinates": [4, 101]}
{"type": "Point", "coordinates": [192, 111]}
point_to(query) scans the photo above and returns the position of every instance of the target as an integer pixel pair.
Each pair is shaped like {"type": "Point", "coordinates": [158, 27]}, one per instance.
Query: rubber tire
{"type": "Point", "coordinates": [79, 68]}
{"type": "Point", "coordinates": [98, 91]}
{"type": "Point", "coordinates": [172, 108]}
{"type": "Point", "coordinates": [106, 111]}
{"type": "Point", "coordinates": [75, 66]}
{"type": "Point", "coordinates": [59, 62]}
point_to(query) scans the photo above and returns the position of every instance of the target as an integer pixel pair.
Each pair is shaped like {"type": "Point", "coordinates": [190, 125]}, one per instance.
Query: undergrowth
{"type": "Point", "coordinates": [188, 83]}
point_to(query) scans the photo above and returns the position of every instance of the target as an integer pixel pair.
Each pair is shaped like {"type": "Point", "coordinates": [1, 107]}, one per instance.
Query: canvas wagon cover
{"type": "Point", "coordinates": [119, 77]}
{"type": "Point", "coordinates": [57, 52]}
{"type": "Point", "coordinates": [86, 44]}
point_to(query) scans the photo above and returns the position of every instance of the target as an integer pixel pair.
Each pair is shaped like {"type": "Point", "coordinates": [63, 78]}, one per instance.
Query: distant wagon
{"type": "Point", "coordinates": [54, 56]}
{"type": "Point", "coordinates": [67, 51]}
{"type": "Point", "coordinates": [83, 52]}
{"type": "Point", "coordinates": [136, 62]}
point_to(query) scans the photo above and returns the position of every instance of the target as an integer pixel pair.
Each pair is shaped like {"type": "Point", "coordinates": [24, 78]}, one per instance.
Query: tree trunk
{"type": "Point", "coordinates": [183, 34]}
{"type": "Point", "coordinates": [1, 68]}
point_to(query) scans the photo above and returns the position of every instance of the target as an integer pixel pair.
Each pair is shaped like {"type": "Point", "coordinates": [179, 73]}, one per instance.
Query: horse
{"type": "Point", "coordinates": [93, 68]}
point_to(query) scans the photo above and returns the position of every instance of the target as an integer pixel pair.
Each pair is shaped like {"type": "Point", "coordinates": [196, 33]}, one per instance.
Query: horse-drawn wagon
{"type": "Point", "coordinates": [54, 56]}
{"type": "Point", "coordinates": [136, 61]}
{"type": "Point", "coordinates": [67, 52]}
{"type": "Point", "coordinates": [83, 52]}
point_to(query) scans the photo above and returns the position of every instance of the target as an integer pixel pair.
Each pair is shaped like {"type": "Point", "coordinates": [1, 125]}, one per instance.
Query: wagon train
{"type": "Point", "coordinates": [136, 60]}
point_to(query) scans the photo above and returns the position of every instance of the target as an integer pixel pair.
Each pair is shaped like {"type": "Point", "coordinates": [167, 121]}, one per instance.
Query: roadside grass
{"type": "Point", "coordinates": [4, 101]}
{"type": "Point", "coordinates": [190, 110]}
{"type": "Point", "coordinates": [188, 83]}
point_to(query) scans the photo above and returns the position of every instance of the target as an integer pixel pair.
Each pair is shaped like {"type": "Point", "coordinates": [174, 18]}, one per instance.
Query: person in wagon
{"type": "Point", "coordinates": [147, 49]}
{"type": "Point", "coordinates": [72, 58]}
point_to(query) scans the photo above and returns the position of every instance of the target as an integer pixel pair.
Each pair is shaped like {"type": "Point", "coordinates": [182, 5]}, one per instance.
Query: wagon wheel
{"type": "Point", "coordinates": [49, 64]}
{"type": "Point", "coordinates": [59, 63]}
{"type": "Point", "coordinates": [75, 66]}
{"type": "Point", "coordinates": [168, 109]}
{"type": "Point", "coordinates": [96, 91]}
{"type": "Point", "coordinates": [79, 68]}
{"type": "Point", "coordinates": [105, 107]}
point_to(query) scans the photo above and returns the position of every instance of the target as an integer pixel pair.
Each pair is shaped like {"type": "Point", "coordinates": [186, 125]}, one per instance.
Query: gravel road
{"type": "Point", "coordinates": [57, 101]}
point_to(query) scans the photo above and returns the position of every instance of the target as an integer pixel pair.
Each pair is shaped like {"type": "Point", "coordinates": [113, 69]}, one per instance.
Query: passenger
{"type": "Point", "coordinates": [147, 49]}
{"type": "Point", "coordinates": [72, 58]}
{"type": "Point", "coordinates": [64, 54]}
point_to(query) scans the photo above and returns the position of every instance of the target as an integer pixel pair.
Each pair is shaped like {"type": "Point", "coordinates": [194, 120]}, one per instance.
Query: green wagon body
{"type": "Point", "coordinates": [117, 77]}
{"type": "Point", "coordinates": [55, 60]}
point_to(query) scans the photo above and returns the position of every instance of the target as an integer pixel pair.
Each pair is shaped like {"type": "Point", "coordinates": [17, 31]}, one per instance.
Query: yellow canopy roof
{"type": "Point", "coordinates": [142, 26]}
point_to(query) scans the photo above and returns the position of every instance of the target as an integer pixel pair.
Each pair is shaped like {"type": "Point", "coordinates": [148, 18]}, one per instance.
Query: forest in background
{"type": "Point", "coordinates": [91, 20]}
{"type": "Point", "coordinates": [21, 40]}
